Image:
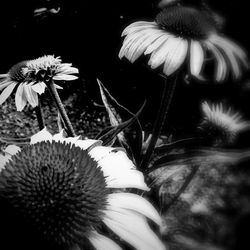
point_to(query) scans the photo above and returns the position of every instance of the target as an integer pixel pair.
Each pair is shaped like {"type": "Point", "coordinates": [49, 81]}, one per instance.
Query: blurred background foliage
{"type": "Point", "coordinates": [87, 34]}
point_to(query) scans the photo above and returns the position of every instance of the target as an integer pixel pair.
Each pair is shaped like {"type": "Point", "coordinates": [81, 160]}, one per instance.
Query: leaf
{"type": "Point", "coordinates": [108, 135]}
{"type": "Point", "coordinates": [132, 142]}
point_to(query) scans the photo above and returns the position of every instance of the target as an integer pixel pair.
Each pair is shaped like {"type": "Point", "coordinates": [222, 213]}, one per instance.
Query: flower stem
{"type": "Point", "coordinates": [60, 107]}
{"type": "Point", "coordinates": [168, 91]}
{"type": "Point", "coordinates": [39, 115]}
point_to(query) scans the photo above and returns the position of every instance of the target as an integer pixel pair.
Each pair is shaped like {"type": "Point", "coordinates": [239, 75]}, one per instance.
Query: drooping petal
{"type": "Point", "coordinates": [146, 40]}
{"type": "Point", "coordinates": [43, 135]}
{"type": "Point", "coordinates": [7, 92]}
{"type": "Point", "coordinates": [138, 48]}
{"type": "Point", "coordinates": [128, 43]}
{"type": "Point", "coordinates": [31, 95]}
{"type": "Point", "coordinates": [64, 77]}
{"type": "Point", "coordinates": [159, 56]}
{"type": "Point", "coordinates": [196, 58]}
{"type": "Point", "coordinates": [221, 69]}
{"type": "Point", "coordinates": [120, 172]}
{"type": "Point", "coordinates": [20, 98]}
{"type": "Point", "coordinates": [133, 228]}
{"type": "Point", "coordinates": [136, 203]}
{"type": "Point", "coordinates": [4, 83]}
{"type": "Point", "coordinates": [176, 56]}
{"type": "Point", "coordinates": [65, 68]}
{"type": "Point", "coordinates": [39, 87]}
{"type": "Point", "coordinates": [156, 43]}
{"type": "Point", "coordinates": [137, 26]}
{"type": "Point", "coordinates": [101, 242]}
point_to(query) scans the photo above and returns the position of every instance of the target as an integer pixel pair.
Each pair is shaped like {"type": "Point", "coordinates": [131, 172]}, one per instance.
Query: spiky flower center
{"type": "Point", "coordinates": [186, 22]}
{"type": "Point", "coordinates": [16, 72]}
{"type": "Point", "coordinates": [58, 188]}
{"type": "Point", "coordinates": [42, 68]}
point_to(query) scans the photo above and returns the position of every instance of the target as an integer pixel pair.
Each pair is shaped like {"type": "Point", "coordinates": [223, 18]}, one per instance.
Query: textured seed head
{"type": "Point", "coordinates": [58, 188]}
{"type": "Point", "coordinates": [186, 22]}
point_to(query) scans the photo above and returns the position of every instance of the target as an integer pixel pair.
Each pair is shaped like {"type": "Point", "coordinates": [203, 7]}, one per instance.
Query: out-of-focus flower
{"type": "Point", "coordinates": [43, 12]}
{"type": "Point", "coordinates": [183, 34]}
{"type": "Point", "coordinates": [222, 122]}
{"type": "Point", "coordinates": [83, 184]}
{"type": "Point", "coordinates": [29, 78]}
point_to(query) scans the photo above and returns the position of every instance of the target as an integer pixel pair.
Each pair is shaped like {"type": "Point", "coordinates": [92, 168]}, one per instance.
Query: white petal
{"type": "Point", "coordinates": [43, 135]}
{"type": "Point", "coordinates": [66, 69]}
{"type": "Point", "coordinates": [39, 87]}
{"type": "Point", "coordinates": [6, 92]}
{"type": "Point", "coordinates": [20, 98]}
{"type": "Point", "coordinates": [136, 203]}
{"type": "Point", "coordinates": [128, 42]}
{"type": "Point", "coordinates": [157, 42]}
{"type": "Point", "coordinates": [176, 56]}
{"type": "Point", "coordinates": [31, 95]}
{"type": "Point", "coordinates": [64, 77]}
{"type": "Point", "coordinates": [119, 171]}
{"type": "Point", "coordinates": [12, 150]}
{"type": "Point", "coordinates": [133, 228]}
{"type": "Point", "coordinates": [101, 242]}
{"type": "Point", "coordinates": [136, 26]}
{"type": "Point", "coordinates": [4, 83]}
{"type": "Point", "coordinates": [86, 144]}
{"type": "Point", "coordinates": [159, 56]}
{"type": "Point", "coordinates": [228, 53]}
{"type": "Point", "coordinates": [196, 58]}
{"type": "Point", "coordinates": [221, 69]}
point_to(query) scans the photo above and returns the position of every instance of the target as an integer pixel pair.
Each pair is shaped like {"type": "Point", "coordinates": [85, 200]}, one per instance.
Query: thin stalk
{"type": "Point", "coordinates": [39, 115]}
{"type": "Point", "coordinates": [168, 91]}
{"type": "Point", "coordinates": [61, 109]}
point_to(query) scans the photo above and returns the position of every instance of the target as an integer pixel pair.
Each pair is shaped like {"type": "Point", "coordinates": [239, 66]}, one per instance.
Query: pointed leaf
{"type": "Point", "coordinates": [117, 114]}
{"type": "Point", "coordinates": [111, 133]}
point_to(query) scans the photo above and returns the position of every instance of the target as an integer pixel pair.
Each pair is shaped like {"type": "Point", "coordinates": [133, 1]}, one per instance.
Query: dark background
{"type": "Point", "coordinates": [88, 34]}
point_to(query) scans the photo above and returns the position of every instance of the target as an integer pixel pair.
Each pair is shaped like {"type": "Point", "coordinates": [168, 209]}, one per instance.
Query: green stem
{"type": "Point", "coordinates": [168, 91]}
{"type": "Point", "coordinates": [39, 115]}
{"type": "Point", "coordinates": [60, 107]}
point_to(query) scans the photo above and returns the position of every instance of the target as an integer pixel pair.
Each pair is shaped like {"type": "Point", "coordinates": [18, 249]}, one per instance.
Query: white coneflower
{"type": "Point", "coordinates": [182, 34]}
{"type": "Point", "coordinates": [69, 189]}
{"type": "Point", "coordinates": [222, 122]}
{"type": "Point", "coordinates": [29, 78]}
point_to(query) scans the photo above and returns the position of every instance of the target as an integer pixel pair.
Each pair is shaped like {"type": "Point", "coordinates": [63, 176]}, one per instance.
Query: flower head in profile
{"type": "Point", "coordinates": [29, 79]}
{"type": "Point", "coordinates": [222, 122]}
{"type": "Point", "coordinates": [182, 35]}
{"type": "Point", "coordinates": [71, 189]}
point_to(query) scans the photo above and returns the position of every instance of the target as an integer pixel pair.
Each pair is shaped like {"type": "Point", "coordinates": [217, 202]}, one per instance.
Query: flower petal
{"type": "Point", "coordinates": [136, 203]}
{"type": "Point", "coordinates": [64, 77]}
{"type": "Point", "coordinates": [43, 135]}
{"type": "Point", "coordinates": [20, 98]}
{"type": "Point", "coordinates": [133, 228]}
{"type": "Point", "coordinates": [176, 56]}
{"type": "Point", "coordinates": [7, 92]}
{"type": "Point", "coordinates": [101, 242]}
{"type": "Point", "coordinates": [31, 95]}
{"type": "Point", "coordinates": [39, 87]}
{"type": "Point", "coordinates": [137, 26]}
{"type": "Point", "coordinates": [196, 58]}
{"type": "Point", "coordinates": [119, 171]}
